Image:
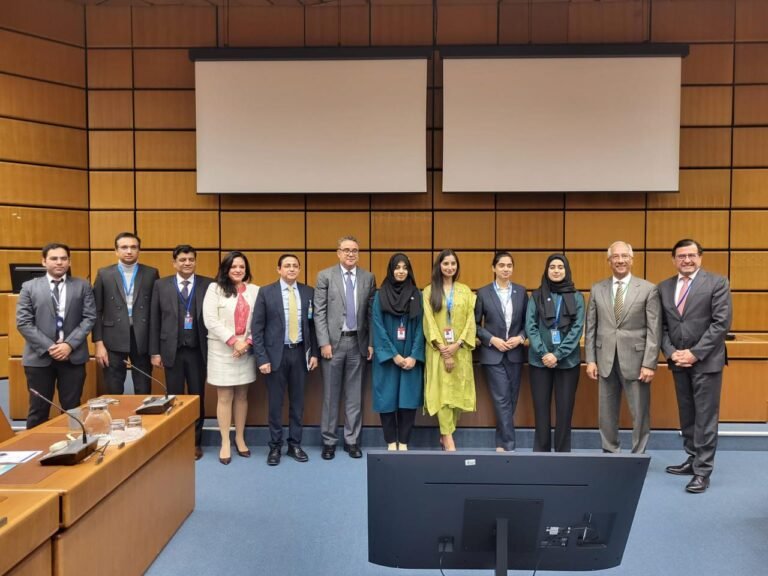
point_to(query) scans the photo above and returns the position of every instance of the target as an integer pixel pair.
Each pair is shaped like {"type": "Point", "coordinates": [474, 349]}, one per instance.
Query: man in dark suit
{"type": "Point", "coordinates": [285, 346]}
{"type": "Point", "coordinates": [500, 316]}
{"type": "Point", "coordinates": [343, 308]}
{"type": "Point", "coordinates": [696, 312]}
{"type": "Point", "coordinates": [178, 338]}
{"type": "Point", "coordinates": [123, 294]}
{"type": "Point", "coordinates": [54, 314]}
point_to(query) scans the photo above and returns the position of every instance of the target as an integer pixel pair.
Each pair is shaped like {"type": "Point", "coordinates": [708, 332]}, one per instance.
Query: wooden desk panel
{"type": "Point", "coordinates": [33, 518]}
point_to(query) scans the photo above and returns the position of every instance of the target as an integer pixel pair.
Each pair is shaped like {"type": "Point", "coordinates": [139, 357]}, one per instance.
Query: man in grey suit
{"type": "Point", "coordinates": [622, 339]}
{"type": "Point", "coordinates": [697, 311]}
{"type": "Point", "coordinates": [123, 295]}
{"type": "Point", "coordinates": [54, 314]}
{"type": "Point", "coordinates": [343, 307]}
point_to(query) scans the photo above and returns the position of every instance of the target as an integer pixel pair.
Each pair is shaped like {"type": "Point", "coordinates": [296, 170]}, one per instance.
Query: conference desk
{"type": "Point", "coordinates": [114, 517]}
{"type": "Point", "coordinates": [25, 540]}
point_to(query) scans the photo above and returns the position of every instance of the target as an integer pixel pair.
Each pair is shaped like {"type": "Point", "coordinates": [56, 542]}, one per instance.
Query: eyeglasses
{"type": "Point", "coordinates": [349, 250]}
{"type": "Point", "coordinates": [619, 257]}
{"type": "Point", "coordinates": [684, 257]}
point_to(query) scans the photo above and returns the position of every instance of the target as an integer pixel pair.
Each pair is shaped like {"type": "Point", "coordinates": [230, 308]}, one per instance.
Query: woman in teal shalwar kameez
{"type": "Point", "coordinates": [398, 343]}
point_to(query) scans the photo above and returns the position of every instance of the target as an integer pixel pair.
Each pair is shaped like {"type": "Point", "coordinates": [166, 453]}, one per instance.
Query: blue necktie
{"type": "Point", "coordinates": [350, 298]}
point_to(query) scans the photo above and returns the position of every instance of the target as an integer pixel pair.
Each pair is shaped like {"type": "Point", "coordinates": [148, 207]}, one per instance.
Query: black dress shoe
{"type": "Point", "coordinates": [297, 454]}
{"type": "Point", "coordinates": [274, 456]}
{"type": "Point", "coordinates": [329, 451]}
{"type": "Point", "coordinates": [684, 469]}
{"type": "Point", "coordinates": [698, 484]}
{"type": "Point", "coordinates": [353, 450]}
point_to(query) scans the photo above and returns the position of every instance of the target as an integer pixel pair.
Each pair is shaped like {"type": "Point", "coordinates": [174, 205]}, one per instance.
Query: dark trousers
{"type": "Point", "coordinates": [564, 383]}
{"type": "Point", "coordinates": [188, 367]}
{"type": "Point", "coordinates": [397, 426]}
{"type": "Point", "coordinates": [70, 379]}
{"type": "Point", "coordinates": [290, 376]}
{"type": "Point", "coordinates": [698, 402]}
{"type": "Point", "coordinates": [114, 374]}
{"type": "Point", "coordinates": [504, 386]}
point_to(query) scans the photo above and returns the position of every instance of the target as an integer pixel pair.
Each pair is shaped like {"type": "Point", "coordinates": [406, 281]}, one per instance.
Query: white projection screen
{"type": "Point", "coordinates": [563, 124]}
{"type": "Point", "coordinates": [311, 126]}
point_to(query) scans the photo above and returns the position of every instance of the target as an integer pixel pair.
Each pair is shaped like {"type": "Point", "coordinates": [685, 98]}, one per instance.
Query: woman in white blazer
{"type": "Point", "coordinates": [227, 312]}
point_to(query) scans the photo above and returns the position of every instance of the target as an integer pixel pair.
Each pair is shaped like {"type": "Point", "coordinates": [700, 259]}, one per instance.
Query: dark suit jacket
{"type": "Point", "coordinates": [704, 324]}
{"type": "Point", "coordinates": [268, 325]}
{"type": "Point", "coordinates": [36, 320]}
{"type": "Point", "coordinates": [489, 316]}
{"type": "Point", "coordinates": [112, 324]}
{"type": "Point", "coordinates": [164, 318]}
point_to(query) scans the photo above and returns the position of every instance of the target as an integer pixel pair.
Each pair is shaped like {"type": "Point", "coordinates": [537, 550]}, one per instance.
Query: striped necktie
{"type": "Point", "coordinates": [618, 303]}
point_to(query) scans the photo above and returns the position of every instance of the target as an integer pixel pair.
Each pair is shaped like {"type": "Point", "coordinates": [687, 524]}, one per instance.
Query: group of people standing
{"type": "Point", "coordinates": [420, 343]}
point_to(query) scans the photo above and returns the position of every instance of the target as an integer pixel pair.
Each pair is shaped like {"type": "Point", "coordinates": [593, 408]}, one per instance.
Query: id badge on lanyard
{"type": "Point", "coordinates": [556, 337]}
{"type": "Point", "coordinates": [188, 319]}
{"type": "Point", "coordinates": [401, 330]}
{"type": "Point", "coordinates": [448, 334]}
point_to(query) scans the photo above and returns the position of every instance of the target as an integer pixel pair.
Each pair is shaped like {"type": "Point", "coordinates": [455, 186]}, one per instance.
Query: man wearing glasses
{"type": "Point", "coordinates": [622, 341]}
{"type": "Point", "coordinates": [343, 300]}
{"type": "Point", "coordinates": [697, 312]}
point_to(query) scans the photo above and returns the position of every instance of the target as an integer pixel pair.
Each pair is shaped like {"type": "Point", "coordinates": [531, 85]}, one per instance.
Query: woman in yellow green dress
{"type": "Point", "coordinates": [449, 329]}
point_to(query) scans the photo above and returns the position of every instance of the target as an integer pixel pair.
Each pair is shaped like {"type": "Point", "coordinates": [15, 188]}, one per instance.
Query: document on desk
{"type": "Point", "coordinates": [18, 456]}
{"type": "Point", "coordinates": [6, 468]}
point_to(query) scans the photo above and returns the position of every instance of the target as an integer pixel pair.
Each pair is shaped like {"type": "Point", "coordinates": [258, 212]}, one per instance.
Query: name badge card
{"type": "Point", "coordinates": [448, 335]}
{"type": "Point", "coordinates": [555, 336]}
{"type": "Point", "coordinates": [188, 321]}
{"type": "Point", "coordinates": [401, 332]}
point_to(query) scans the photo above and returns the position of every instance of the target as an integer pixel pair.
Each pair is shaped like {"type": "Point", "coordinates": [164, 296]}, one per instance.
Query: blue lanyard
{"type": "Point", "coordinates": [188, 304]}
{"type": "Point", "coordinates": [557, 311]}
{"type": "Point", "coordinates": [128, 287]}
{"type": "Point", "coordinates": [685, 294]}
{"type": "Point", "coordinates": [498, 293]}
{"type": "Point", "coordinates": [449, 304]}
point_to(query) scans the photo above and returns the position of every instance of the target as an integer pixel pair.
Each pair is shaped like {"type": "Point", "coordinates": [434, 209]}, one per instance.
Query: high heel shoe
{"type": "Point", "coordinates": [244, 453]}
{"type": "Point", "coordinates": [224, 460]}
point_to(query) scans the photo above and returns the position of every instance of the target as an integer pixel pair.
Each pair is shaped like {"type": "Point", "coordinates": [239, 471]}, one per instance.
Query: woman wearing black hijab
{"type": "Point", "coordinates": [398, 342]}
{"type": "Point", "coordinates": [554, 323]}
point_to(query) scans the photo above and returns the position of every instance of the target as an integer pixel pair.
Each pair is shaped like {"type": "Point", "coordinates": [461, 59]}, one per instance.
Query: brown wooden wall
{"type": "Point", "coordinates": [97, 135]}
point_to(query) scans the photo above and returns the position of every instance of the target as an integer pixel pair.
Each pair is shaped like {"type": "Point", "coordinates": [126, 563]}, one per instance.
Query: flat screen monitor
{"type": "Point", "coordinates": [20, 273]}
{"type": "Point", "coordinates": [480, 510]}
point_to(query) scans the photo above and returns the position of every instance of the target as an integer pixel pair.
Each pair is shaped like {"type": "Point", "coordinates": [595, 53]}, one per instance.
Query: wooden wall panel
{"type": "Point", "coordinates": [750, 188]}
{"type": "Point", "coordinates": [597, 230]}
{"type": "Point", "coordinates": [27, 99]}
{"type": "Point", "coordinates": [421, 263]}
{"type": "Point", "coordinates": [750, 312]}
{"type": "Point", "coordinates": [338, 202]}
{"type": "Point", "coordinates": [514, 23]}
{"type": "Point", "coordinates": [3, 360]}
{"type": "Point", "coordinates": [692, 21]}
{"type": "Point", "coordinates": [264, 266]}
{"type": "Point", "coordinates": [454, 201]}
{"type": "Point", "coordinates": [748, 229]}
{"type": "Point", "coordinates": [708, 64]}
{"type": "Point", "coordinates": [698, 189]}
{"type": "Point", "coordinates": [529, 230]}
{"type": "Point", "coordinates": [549, 22]}
{"type": "Point", "coordinates": [168, 229]}
{"type": "Point", "coordinates": [623, 21]}
{"type": "Point", "coordinates": [174, 26]}
{"type": "Point", "coordinates": [165, 150]}
{"type": "Point", "coordinates": [110, 69]}
{"type": "Point", "coordinates": [317, 261]}
{"type": "Point", "coordinates": [604, 200]}
{"type": "Point", "coordinates": [529, 266]}
{"type": "Point", "coordinates": [750, 147]}
{"type": "Point", "coordinates": [80, 267]}
{"type": "Point", "coordinates": [111, 150]}
{"type": "Point", "coordinates": [105, 225]}
{"type": "Point", "coordinates": [63, 20]}
{"type": "Point", "coordinates": [750, 105]}
{"type": "Point", "coordinates": [110, 109]}
{"type": "Point", "coordinates": [165, 109]}
{"type": "Point", "coordinates": [163, 69]}
{"type": "Point", "coordinates": [325, 228]}
{"type": "Point", "coordinates": [751, 64]}
{"type": "Point", "coordinates": [533, 201]}
{"type": "Point", "coordinates": [710, 228]}
{"type": "Point", "coordinates": [337, 25]}
{"type": "Point", "coordinates": [207, 261]}
{"type": "Point", "coordinates": [591, 267]}
{"type": "Point", "coordinates": [107, 26]}
{"type": "Point", "coordinates": [172, 190]}
{"type": "Point", "coordinates": [397, 24]}
{"type": "Point", "coordinates": [41, 59]}
{"type": "Point", "coordinates": [43, 186]}
{"type": "Point", "coordinates": [464, 230]}
{"type": "Point", "coordinates": [111, 190]}
{"type": "Point", "coordinates": [35, 227]}
{"type": "Point", "coordinates": [751, 20]}
{"type": "Point", "coordinates": [401, 230]}
{"type": "Point", "coordinates": [459, 22]}
{"type": "Point", "coordinates": [262, 231]}
{"type": "Point", "coordinates": [404, 201]}
{"type": "Point", "coordinates": [262, 201]}
{"type": "Point", "coordinates": [473, 268]}
{"type": "Point", "coordinates": [281, 25]}
{"type": "Point", "coordinates": [5, 313]}
{"type": "Point", "coordinates": [749, 271]}
{"type": "Point", "coordinates": [660, 266]}
{"type": "Point", "coordinates": [706, 106]}
{"type": "Point", "coordinates": [705, 147]}
{"type": "Point", "coordinates": [42, 144]}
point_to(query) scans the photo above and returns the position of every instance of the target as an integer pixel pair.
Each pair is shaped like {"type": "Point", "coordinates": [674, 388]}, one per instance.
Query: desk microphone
{"type": "Point", "coordinates": [75, 451]}
{"type": "Point", "coordinates": [153, 404]}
